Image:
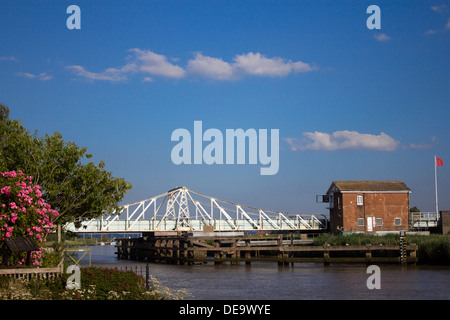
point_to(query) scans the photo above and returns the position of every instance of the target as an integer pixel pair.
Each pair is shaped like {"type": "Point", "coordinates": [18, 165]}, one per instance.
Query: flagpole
{"type": "Point", "coordinates": [435, 187]}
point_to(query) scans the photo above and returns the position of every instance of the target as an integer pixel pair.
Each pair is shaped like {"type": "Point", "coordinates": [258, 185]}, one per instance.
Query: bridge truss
{"type": "Point", "coordinates": [182, 209]}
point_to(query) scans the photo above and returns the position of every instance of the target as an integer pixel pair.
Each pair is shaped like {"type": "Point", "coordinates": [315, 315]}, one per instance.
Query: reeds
{"type": "Point", "coordinates": [432, 249]}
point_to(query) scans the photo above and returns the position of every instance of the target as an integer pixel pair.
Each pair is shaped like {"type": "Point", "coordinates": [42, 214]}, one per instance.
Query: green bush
{"type": "Point", "coordinates": [96, 284]}
{"type": "Point", "coordinates": [107, 281]}
{"type": "Point", "coordinates": [356, 239]}
{"type": "Point", "coordinates": [111, 284]}
{"type": "Point", "coordinates": [433, 249]}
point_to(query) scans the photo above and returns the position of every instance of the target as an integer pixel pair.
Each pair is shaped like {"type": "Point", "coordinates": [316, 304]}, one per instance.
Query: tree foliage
{"type": "Point", "coordinates": [76, 188]}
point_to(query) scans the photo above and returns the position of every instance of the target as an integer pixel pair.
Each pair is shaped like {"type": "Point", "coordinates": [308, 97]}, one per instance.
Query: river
{"type": "Point", "coordinates": [268, 281]}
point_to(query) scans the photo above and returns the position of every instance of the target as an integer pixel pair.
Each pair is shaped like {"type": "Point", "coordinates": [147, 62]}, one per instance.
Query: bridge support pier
{"type": "Point", "coordinates": [218, 248]}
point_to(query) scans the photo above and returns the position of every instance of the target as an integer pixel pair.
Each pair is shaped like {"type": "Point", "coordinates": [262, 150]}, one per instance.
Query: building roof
{"type": "Point", "coordinates": [20, 245]}
{"type": "Point", "coordinates": [370, 186]}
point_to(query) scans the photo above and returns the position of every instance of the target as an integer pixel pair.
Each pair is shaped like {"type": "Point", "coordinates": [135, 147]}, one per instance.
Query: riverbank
{"type": "Point", "coordinates": [96, 283]}
{"type": "Point", "coordinates": [432, 249]}
{"type": "Point", "coordinates": [267, 281]}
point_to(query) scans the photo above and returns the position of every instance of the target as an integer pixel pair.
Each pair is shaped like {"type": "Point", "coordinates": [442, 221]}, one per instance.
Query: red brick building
{"type": "Point", "coordinates": [368, 206]}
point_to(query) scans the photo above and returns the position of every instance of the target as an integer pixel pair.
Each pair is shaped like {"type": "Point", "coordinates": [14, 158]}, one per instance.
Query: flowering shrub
{"type": "Point", "coordinates": [96, 284]}
{"type": "Point", "coordinates": [111, 284]}
{"type": "Point", "coordinates": [23, 212]}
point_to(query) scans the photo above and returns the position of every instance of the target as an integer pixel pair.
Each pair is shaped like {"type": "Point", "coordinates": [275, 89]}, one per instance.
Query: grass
{"type": "Point", "coordinates": [96, 284]}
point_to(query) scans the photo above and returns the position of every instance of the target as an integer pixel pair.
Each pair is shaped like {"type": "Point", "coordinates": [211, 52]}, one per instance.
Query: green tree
{"type": "Point", "coordinates": [77, 189]}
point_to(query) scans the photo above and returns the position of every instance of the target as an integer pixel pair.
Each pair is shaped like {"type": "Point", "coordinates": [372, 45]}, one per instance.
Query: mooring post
{"type": "Point", "coordinates": [147, 276]}
{"type": "Point", "coordinates": [217, 253]}
{"type": "Point", "coordinates": [368, 254]}
{"type": "Point", "coordinates": [248, 254]}
{"type": "Point", "coordinates": [280, 240]}
{"type": "Point", "coordinates": [326, 255]}
{"type": "Point", "coordinates": [234, 253]}
{"type": "Point", "coordinates": [412, 253]}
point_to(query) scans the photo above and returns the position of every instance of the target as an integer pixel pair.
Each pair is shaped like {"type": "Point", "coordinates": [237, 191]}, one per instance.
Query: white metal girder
{"type": "Point", "coordinates": [177, 216]}
{"type": "Point", "coordinates": [239, 208]}
{"type": "Point", "coordinates": [229, 219]}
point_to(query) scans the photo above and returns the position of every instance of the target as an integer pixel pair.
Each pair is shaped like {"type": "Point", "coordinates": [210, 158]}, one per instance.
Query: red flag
{"type": "Point", "coordinates": [439, 162]}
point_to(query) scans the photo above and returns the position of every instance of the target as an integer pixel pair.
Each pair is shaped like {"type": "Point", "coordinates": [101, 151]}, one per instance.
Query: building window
{"type": "Point", "coordinates": [359, 200]}
{"type": "Point", "coordinates": [360, 222]}
{"type": "Point", "coordinates": [379, 222]}
{"type": "Point", "coordinates": [398, 221]}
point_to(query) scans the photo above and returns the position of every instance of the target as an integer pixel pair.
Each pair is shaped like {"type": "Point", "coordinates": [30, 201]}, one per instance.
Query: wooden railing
{"type": "Point", "coordinates": [29, 273]}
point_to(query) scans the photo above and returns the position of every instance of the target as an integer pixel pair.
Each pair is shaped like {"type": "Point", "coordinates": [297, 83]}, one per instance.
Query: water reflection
{"type": "Point", "coordinates": [267, 281]}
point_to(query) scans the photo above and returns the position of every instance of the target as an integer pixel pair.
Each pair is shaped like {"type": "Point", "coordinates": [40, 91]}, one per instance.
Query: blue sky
{"type": "Point", "coordinates": [350, 103]}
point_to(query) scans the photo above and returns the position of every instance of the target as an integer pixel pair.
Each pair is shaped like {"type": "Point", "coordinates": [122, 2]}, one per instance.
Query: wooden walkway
{"type": "Point", "coordinates": [218, 249]}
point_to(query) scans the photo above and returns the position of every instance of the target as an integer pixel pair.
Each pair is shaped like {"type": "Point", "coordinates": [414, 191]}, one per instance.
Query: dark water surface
{"type": "Point", "coordinates": [268, 281]}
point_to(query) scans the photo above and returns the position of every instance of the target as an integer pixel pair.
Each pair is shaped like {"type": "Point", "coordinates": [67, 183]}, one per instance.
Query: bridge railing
{"type": "Point", "coordinates": [197, 224]}
{"type": "Point", "coordinates": [189, 210]}
{"type": "Point", "coordinates": [423, 219]}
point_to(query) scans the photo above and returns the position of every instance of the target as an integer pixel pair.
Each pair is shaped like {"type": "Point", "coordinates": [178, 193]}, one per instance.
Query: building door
{"type": "Point", "coordinates": [370, 223]}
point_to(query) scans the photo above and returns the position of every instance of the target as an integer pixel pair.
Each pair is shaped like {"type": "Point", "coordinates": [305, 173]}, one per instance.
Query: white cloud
{"type": "Point", "coordinates": [148, 62]}
{"type": "Point", "coordinates": [110, 74]}
{"type": "Point", "coordinates": [343, 140]}
{"type": "Point", "coordinates": [423, 146]}
{"type": "Point", "coordinates": [8, 58]}
{"type": "Point", "coordinates": [444, 29]}
{"type": "Point", "coordinates": [418, 146]}
{"type": "Point", "coordinates": [439, 9]}
{"type": "Point", "coordinates": [42, 76]}
{"type": "Point", "coordinates": [152, 64]}
{"type": "Point", "coordinates": [382, 37]}
{"type": "Point", "coordinates": [258, 65]}
{"type": "Point", "coordinates": [430, 31]}
{"type": "Point", "coordinates": [210, 67]}
{"type": "Point", "coordinates": [249, 64]}
{"type": "Point", "coordinates": [142, 61]}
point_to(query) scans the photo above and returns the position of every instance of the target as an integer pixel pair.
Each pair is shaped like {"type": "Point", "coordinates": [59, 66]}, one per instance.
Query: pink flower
{"type": "Point", "coordinates": [6, 190]}
{"type": "Point", "coordinates": [25, 213]}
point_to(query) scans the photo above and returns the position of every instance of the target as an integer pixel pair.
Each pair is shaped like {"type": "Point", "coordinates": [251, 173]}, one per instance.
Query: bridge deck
{"type": "Point", "coordinates": [198, 224]}
{"type": "Point", "coordinates": [188, 210]}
